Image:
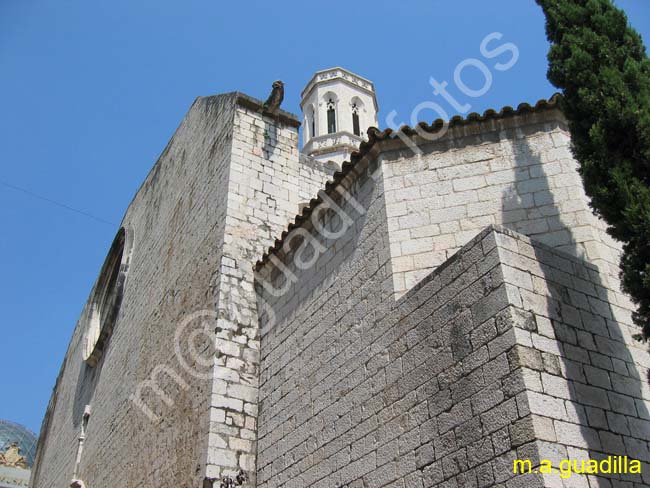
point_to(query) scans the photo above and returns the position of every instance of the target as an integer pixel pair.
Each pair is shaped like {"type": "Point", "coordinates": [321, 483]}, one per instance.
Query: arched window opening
{"type": "Point", "coordinates": [331, 117]}
{"type": "Point", "coordinates": [355, 120]}
{"type": "Point", "coordinates": [311, 121]}
{"type": "Point", "coordinates": [107, 298]}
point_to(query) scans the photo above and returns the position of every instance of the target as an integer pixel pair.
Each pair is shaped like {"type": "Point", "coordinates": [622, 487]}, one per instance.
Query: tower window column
{"type": "Point", "coordinates": [355, 120]}
{"type": "Point", "coordinates": [331, 117]}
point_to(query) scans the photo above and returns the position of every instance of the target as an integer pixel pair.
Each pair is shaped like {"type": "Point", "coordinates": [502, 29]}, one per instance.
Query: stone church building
{"type": "Point", "coordinates": [443, 303]}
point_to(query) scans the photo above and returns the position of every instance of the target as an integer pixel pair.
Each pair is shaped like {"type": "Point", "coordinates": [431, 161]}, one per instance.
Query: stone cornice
{"type": "Point", "coordinates": [256, 105]}
{"type": "Point", "coordinates": [339, 74]}
{"type": "Point", "coordinates": [330, 142]}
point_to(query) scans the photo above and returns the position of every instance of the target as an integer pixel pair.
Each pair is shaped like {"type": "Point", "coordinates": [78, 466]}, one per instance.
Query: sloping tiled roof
{"type": "Point", "coordinates": [376, 136]}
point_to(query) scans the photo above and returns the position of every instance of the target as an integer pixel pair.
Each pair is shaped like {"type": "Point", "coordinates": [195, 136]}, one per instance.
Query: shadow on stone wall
{"type": "Point", "coordinates": [604, 384]}
{"type": "Point", "coordinates": [86, 384]}
{"type": "Point", "coordinates": [339, 248]}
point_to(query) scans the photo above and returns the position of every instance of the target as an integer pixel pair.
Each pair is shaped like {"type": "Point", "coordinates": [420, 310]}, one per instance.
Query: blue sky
{"type": "Point", "coordinates": [90, 93]}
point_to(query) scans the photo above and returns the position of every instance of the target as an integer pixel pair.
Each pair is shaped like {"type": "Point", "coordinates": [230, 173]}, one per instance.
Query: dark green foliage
{"type": "Point", "coordinates": [601, 65]}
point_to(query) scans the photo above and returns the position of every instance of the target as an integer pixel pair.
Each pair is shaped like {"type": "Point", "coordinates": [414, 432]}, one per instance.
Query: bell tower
{"type": "Point", "coordinates": [338, 106]}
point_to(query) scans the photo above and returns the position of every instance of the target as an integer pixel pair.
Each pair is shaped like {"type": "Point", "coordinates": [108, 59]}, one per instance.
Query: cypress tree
{"type": "Point", "coordinates": [601, 65]}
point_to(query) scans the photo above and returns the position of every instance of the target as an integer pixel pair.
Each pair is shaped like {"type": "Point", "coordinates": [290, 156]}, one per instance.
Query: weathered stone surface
{"type": "Point", "coordinates": [504, 360]}
{"type": "Point", "coordinates": [399, 338]}
{"type": "Point", "coordinates": [225, 186]}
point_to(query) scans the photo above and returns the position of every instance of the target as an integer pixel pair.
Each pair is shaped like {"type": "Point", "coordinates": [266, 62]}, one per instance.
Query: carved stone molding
{"type": "Point", "coordinates": [338, 139]}
{"type": "Point", "coordinates": [338, 73]}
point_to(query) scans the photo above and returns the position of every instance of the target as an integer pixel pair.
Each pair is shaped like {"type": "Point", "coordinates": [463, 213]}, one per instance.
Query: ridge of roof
{"type": "Point", "coordinates": [376, 136]}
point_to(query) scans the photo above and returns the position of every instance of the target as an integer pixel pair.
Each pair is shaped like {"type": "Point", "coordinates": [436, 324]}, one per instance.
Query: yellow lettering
{"type": "Point", "coordinates": [565, 468]}
{"type": "Point", "coordinates": [545, 466]}
{"type": "Point", "coordinates": [579, 470]}
{"type": "Point", "coordinates": [522, 466]}
{"type": "Point", "coordinates": [592, 466]}
{"type": "Point", "coordinates": [605, 466]}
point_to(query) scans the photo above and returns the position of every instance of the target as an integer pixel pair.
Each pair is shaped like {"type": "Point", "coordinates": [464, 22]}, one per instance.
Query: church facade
{"type": "Point", "coordinates": [443, 304]}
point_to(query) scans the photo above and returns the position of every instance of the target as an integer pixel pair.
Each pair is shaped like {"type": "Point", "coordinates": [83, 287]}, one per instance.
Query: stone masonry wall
{"type": "Point", "coordinates": [268, 180]}
{"type": "Point", "coordinates": [317, 327]}
{"type": "Point", "coordinates": [509, 349]}
{"type": "Point", "coordinates": [358, 390]}
{"type": "Point", "coordinates": [176, 222]}
{"type": "Point", "coordinates": [172, 404]}
{"type": "Point", "coordinates": [585, 376]}
{"type": "Point", "coordinates": [409, 352]}
{"type": "Point", "coordinates": [518, 172]}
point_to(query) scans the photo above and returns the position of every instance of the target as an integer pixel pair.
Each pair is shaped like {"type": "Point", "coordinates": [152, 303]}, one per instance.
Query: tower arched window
{"type": "Point", "coordinates": [355, 120]}
{"type": "Point", "coordinates": [331, 116]}
{"type": "Point", "coordinates": [311, 122]}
